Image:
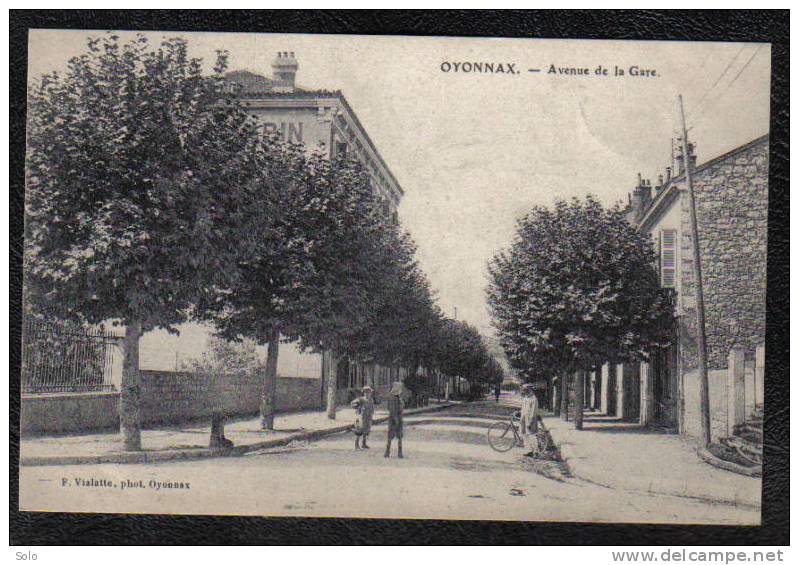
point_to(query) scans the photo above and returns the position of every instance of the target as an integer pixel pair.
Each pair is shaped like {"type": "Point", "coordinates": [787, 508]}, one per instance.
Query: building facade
{"type": "Point", "coordinates": [731, 195]}
{"type": "Point", "coordinates": [318, 119]}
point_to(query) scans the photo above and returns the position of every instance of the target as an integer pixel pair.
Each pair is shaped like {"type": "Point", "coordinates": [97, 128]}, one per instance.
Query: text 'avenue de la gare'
{"type": "Point", "coordinates": [603, 71]}
{"type": "Point", "coordinates": [510, 68]}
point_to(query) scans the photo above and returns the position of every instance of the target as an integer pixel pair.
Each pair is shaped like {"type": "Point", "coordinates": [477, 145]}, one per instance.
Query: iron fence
{"type": "Point", "coordinates": [62, 357]}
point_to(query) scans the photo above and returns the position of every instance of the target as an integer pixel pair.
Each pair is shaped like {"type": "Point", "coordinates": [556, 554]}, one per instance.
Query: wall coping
{"type": "Point", "coordinates": [52, 395]}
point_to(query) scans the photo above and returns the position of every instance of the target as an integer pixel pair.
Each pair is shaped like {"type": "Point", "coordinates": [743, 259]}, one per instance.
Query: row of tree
{"type": "Point", "coordinates": [154, 198]}
{"type": "Point", "coordinates": [578, 287]}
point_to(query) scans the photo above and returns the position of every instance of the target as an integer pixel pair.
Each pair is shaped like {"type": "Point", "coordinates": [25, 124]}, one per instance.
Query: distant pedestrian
{"type": "Point", "coordinates": [395, 405]}
{"type": "Point", "coordinates": [529, 415]}
{"type": "Point", "coordinates": [364, 411]}
{"type": "Point", "coordinates": [496, 393]}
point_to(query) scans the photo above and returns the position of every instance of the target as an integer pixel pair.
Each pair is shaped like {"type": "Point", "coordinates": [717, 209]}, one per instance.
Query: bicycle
{"type": "Point", "coordinates": [504, 436]}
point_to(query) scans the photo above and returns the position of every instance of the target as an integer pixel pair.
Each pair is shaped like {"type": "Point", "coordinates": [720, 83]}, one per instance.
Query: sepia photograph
{"type": "Point", "coordinates": [395, 277]}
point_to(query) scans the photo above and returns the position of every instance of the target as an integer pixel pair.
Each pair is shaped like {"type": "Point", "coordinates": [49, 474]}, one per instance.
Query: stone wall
{"type": "Point", "coordinates": [732, 214]}
{"type": "Point", "coordinates": [173, 397]}
{"type": "Point", "coordinates": [69, 412]}
{"type": "Point", "coordinates": [717, 379]}
{"type": "Point", "coordinates": [167, 397]}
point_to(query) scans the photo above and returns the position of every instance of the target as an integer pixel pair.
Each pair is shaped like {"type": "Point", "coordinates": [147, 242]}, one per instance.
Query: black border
{"type": "Point", "coordinates": [31, 528]}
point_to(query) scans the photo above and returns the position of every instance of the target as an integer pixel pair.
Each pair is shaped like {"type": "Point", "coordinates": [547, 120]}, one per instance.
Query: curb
{"type": "Point", "coordinates": [711, 459]}
{"type": "Point", "coordinates": [133, 457]}
{"type": "Point", "coordinates": [569, 458]}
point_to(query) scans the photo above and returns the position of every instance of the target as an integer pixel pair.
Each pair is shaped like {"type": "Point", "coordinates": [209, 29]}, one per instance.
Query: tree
{"type": "Point", "coordinates": [255, 306]}
{"type": "Point", "coordinates": [221, 361]}
{"type": "Point", "coordinates": [576, 288]}
{"type": "Point", "coordinates": [341, 273]}
{"type": "Point", "coordinates": [140, 176]}
{"type": "Point", "coordinates": [462, 353]}
{"type": "Point", "coordinates": [403, 319]}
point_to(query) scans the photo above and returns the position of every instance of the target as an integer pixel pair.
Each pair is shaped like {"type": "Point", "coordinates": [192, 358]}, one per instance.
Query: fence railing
{"type": "Point", "coordinates": [62, 357]}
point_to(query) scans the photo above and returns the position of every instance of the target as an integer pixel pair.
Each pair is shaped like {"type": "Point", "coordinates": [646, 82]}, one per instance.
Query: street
{"type": "Point", "coordinates": [449, 472]}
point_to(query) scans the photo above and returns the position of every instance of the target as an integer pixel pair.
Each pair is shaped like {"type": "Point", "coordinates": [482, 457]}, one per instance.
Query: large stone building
{"type": "Point", "coordinates": [731, 193]}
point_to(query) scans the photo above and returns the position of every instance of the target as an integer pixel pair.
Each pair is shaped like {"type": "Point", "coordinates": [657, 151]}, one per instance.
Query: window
{"type": "Point", "coordinates": [668, 258]}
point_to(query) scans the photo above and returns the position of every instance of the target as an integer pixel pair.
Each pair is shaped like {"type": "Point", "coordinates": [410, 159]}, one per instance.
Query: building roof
{"type": "Point", "coordinates": [665, 196]}
{"type": "Point", "coordinates": [258, 87]}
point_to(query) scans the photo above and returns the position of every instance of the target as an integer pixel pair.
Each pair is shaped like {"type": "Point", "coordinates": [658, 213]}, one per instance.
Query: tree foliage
{"type": "Point", "coordinates": [576, 288]}
{"type": "Point", "coordinates": [139, 179]}
{"type": "Point", "coordinates": [462, 353]}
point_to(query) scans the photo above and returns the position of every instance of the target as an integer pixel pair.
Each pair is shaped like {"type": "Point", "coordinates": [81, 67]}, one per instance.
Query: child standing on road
{"type": "Point", "coordinates": [364, 411]}
{"type": "Point", "coordinates": [394, 404]}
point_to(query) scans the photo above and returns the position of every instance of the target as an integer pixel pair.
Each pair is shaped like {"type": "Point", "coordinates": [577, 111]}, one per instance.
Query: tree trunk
{"type": "Point", "coordinates": [555, 400]}
{"type": "Point", "coordinates": [564, 396]}
{"type": "Point", "coordinates": [270, 382]}
{"type": "Point", "coordinates": [579, 391]}
{"type": "Point", "coordinates": [332, 376]}
{"type": "Point", "coordinates": [130, 393]}
{"type": "Point", "coordinates": [218, 439]}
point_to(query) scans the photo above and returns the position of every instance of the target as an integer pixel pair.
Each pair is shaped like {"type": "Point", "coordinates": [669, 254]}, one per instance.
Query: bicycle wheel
{"type": "Point", "coordinates": [501, 436]}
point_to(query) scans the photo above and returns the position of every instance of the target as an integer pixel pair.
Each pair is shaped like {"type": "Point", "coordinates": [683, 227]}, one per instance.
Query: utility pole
{"type": "Point", "coordinates": [456, 312]}
{"type": "Point", "coordinates": [700, 297]}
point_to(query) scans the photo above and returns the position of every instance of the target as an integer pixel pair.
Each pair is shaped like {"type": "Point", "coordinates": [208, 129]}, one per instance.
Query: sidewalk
{"type": "Point", "coordinates": [190, 441]}
{"type": "Point", "coordinates": [626, 456]}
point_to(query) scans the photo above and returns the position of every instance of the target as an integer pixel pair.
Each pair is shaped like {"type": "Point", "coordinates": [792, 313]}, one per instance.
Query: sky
{"type": "Point", "coordinates": [474, 151]}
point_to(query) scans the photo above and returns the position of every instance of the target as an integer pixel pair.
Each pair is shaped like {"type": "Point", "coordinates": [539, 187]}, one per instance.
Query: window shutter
{"type": "Point", "coordinates": [668, 258]}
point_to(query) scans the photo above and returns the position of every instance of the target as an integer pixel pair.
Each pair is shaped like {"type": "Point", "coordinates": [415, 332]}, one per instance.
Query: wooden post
{"type": "Point", "coordinates": [701, 338]}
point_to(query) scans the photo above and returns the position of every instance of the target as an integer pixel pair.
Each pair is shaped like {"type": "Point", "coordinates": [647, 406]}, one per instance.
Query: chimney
{"type": "Point", "coordinates": [284, 70]}
{"type": "Point", "coordinates": [668, 174]}
{"type": "Point", "coordinates": [692, 155]}
{"type": "Point", "coordinates": [681, 161]}
{"type": "Point", "coordinates": [642, 195]}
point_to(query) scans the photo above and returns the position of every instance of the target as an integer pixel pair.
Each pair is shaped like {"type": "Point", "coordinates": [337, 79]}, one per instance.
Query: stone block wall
{"type": "Point", "coordinates": [69, 412]}
{"type": "Point", "coordinates": [717, 379]}
{"type": "Point", "coordinates": [732, 214]}
{"type": "Point", "coordinates": [173, 397]}
{"type": "Point", "coordinates": [167, 397]}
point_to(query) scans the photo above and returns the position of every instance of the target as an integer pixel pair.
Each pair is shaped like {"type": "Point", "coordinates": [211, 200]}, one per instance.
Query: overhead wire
{"type": "Point", "coordinates": [696, 118]}
{"type": "Point", "coordinates": [718, 79]}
